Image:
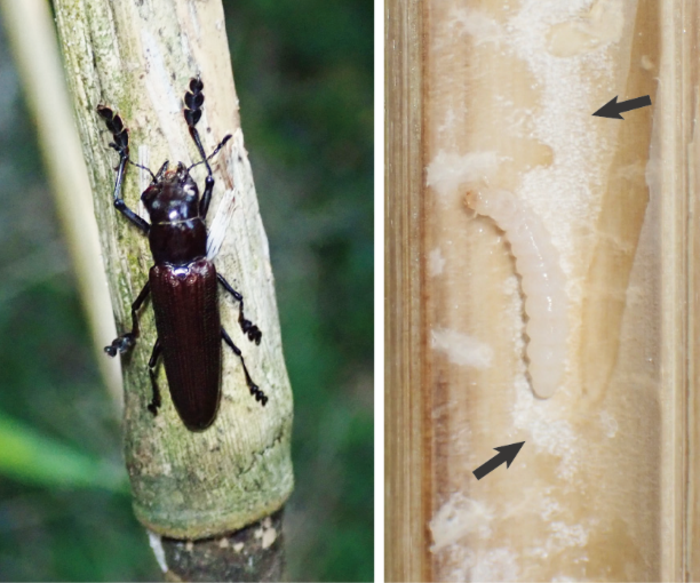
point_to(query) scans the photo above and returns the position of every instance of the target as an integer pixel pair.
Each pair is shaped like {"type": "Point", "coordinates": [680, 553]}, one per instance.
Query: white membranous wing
{"type": "Point", "coordinates": [242, 179]}
{"type": "Point", "coordinates": [542, 280]}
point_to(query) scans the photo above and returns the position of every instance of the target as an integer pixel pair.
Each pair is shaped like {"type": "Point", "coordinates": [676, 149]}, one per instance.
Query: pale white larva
{"type": "Point", "coordinates": [542, 281]}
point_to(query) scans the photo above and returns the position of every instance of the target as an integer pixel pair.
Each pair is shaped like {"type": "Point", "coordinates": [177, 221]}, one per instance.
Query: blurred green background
{"type": "Point", "coordinates": [304, 76]}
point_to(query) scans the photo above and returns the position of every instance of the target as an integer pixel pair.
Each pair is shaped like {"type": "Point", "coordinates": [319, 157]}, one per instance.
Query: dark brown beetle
{"type": "Point", "coordinates": [182, 281]}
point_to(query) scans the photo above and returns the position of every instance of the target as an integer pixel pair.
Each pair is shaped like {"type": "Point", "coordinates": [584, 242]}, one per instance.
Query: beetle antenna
{"type": "Point", "coordinates": [214, 153]}
{"type": "Point", "coordinates": [153, 176]}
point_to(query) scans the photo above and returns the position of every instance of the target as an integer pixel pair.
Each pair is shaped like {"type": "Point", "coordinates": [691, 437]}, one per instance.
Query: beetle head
{"type": "Point", "coordinates": [173, 196]}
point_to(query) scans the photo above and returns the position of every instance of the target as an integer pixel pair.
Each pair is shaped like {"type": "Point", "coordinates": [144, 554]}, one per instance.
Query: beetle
{"type": "Point", "coordinates": [182, 282]}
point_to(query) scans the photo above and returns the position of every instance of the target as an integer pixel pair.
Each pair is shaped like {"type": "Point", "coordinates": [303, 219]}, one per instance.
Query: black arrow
{"type": "Point", "coordinates": [613, 109]}
{"type": "Point", "coordinates": [506, 454]}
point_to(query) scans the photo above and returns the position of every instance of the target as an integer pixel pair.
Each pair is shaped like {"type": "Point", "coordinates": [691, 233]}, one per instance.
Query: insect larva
{"type": "Point", "coordinates": [542, 281]}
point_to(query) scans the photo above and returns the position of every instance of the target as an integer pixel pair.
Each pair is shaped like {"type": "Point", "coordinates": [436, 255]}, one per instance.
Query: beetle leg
{"type": "Point", "coordinates": [121, 145]}
{"type": "Point", "coordinates": [254, 389]}
{"type": "Point", "coordinates": [152, 363]}
{"type": "Point", "coordinates": [126, 341]}
{"type": "Point", "coordinates": [194, 98]}
{"type": "Point", "coordinates": [253, 332]}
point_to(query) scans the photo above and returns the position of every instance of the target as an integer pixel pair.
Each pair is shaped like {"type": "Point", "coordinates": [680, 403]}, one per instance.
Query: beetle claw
{"type": "Point", "coordinates": [250, 329]}
{"type": "Point", "coordinates": [259, 395]}
{"type": "Point", "coordinates": [120, 344]}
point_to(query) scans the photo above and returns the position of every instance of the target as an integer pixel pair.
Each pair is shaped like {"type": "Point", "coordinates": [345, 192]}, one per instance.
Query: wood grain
{"type": "Point", "coordinates": [405, 339]}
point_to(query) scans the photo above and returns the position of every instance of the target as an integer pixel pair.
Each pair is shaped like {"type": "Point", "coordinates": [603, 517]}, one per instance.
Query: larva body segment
{"type": "Point", "coordinates": [542, 280]}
